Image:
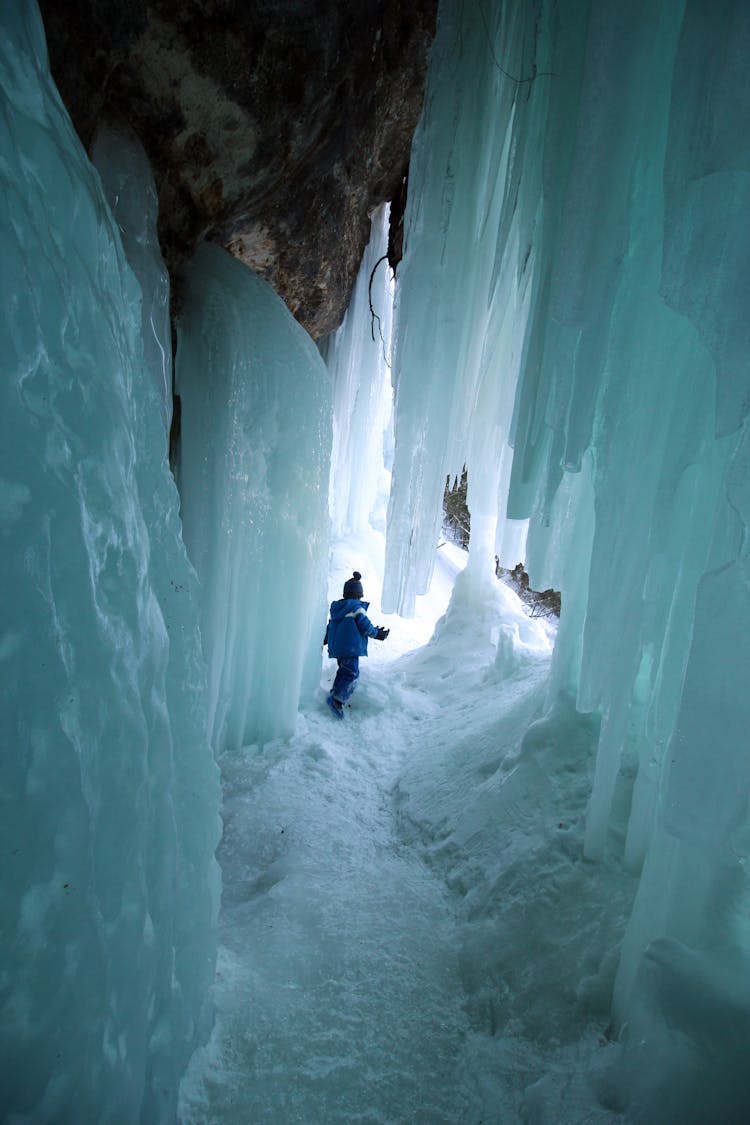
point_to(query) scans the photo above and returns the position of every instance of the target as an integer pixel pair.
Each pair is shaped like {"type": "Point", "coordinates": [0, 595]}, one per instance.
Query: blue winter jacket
{"type": "Point", "coordinates": [349, 628]}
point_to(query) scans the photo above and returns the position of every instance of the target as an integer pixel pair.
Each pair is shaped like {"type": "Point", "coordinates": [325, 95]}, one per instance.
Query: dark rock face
{"type": "Point", "coordinates": [273, 126]}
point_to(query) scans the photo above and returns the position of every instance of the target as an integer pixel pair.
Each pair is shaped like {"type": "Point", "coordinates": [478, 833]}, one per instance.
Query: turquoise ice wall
{"type": "Point", "coordinates": [110, 795]}
{"type": "Point", "coordinates": [572, 324]}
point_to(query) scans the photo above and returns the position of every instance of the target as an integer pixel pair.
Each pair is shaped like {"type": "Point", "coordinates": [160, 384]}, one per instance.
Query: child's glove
{"type": "Point", "coordinates": [381, 633]}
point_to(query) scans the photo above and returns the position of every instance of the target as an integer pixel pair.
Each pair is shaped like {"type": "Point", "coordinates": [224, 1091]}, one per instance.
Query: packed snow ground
{"type": "Point", "coordinates": [408, 931]}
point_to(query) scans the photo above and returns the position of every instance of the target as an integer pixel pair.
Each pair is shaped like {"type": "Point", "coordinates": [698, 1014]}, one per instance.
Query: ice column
{"type": "Point", "coordinates": [465, 284]}
{"type": "Point", "coordinates": [255, 458]}
{"type": "Point", "coordinates": [131, 192]}
{"type": "Point", "coordinates": [109, 813]}
{"type": "Point", "coordinates": [622, 376]}
{"type": "Point", "coordinates": [700, 800]}
{"type": "Point", "coordinates": [609, 218]}
{"type": "Point", "coordinates": [359, 361]}
{"type": "Point", "coordinates": [637, 378]}
{"type": "Point", "coordinates": [682, 986]}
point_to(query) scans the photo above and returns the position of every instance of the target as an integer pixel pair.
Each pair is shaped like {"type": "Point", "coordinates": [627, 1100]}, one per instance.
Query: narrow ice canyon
{"type": "Point", "coordinates": [512, 886]}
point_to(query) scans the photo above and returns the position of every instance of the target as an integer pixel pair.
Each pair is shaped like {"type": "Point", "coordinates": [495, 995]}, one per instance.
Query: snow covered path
{"type": "Point", "coordinates": [339, 996]}
{"type": "Point", "coordinates": [354, 859]}
{"type": "Point", "coordinates": [339, 993]}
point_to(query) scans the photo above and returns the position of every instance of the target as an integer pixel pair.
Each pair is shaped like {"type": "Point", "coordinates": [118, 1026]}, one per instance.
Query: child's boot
{"type": "Point", "coordinates": [336, 708]}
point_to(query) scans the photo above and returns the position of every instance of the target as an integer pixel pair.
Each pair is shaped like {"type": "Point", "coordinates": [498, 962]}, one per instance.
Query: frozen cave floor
{"type": "Point", "coordinates": [408, 930]}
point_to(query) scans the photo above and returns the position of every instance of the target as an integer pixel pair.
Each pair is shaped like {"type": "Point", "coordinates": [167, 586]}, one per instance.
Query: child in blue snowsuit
{"type": "Point", "coordinates": [346, 637]}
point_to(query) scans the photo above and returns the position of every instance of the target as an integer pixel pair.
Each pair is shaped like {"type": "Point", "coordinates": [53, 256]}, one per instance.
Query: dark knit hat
{"type": "Point", "coordinates": [353, 586]}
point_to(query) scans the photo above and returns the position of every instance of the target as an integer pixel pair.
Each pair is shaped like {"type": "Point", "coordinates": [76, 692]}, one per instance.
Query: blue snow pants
{"type": "Point", "coordinates": [346, 678]}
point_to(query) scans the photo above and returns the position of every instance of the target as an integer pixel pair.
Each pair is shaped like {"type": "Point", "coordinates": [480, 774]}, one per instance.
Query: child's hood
{"type": "Point", "coordinates": [340, 608]}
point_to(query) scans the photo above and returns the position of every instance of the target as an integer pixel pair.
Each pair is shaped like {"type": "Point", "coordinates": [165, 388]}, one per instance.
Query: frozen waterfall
{"type": "Point", "coordinates": [358, 357]}
{"type": "Point", "coordinates": [254, 458]}
{"type": "Point", "coordinates": [574, 289]}
{"type": "Point", "coordinates": [110, 794]}
{"type": "Point", "coordinates": [553, 852]}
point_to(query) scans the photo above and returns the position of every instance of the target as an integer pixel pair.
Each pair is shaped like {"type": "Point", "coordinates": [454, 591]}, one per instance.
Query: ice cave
{"type": "Point", "coordinates": [513, 885]}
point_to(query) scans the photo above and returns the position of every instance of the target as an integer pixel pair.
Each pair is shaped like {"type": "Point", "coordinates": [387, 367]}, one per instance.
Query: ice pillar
{"type": "Point", "coordinates": [465, 286]}
{"type": "Point", "coordinates": [255, 455]}
{"type": "Point", "coordinates": [358, 358]}
{"type": "Point", "coordinates": [592, 173]}
{"type": "Point", "coordinates": [109, 789]}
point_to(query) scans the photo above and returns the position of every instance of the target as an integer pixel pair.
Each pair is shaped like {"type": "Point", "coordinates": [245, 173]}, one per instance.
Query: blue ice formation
{"type": "Point", "coordinates": [110, 792]}
{"type": "Point", "coordinates": [572, 312]}
{"type": "Point", "coordinates": [110, 789]}
{"type": "Point", "coordinates": [358, 357]}
{"type": "Point", "coordinates": [254, 467]}
{"type": "Point", "coordinates": [571, 323]}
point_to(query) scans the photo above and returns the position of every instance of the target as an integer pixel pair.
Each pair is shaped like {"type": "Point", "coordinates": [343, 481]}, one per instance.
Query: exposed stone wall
{"type": "Point", "coordinates": [273, 126]}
